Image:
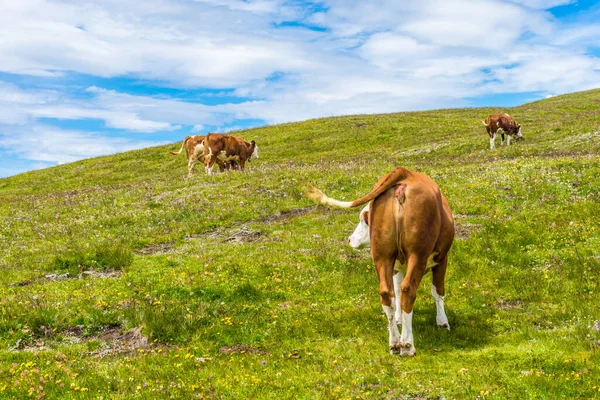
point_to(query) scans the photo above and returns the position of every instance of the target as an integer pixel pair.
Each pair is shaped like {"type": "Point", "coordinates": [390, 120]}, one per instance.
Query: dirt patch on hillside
{"type": "Point", "coordinates": [158, 248]}
{"type": "Point", "coordinates": [56, 277]}
{"type": "Point", "coordinates": [296, 212]}
{"type": "Point", "coordinates": [241, 233]}
{"type": "Point", "coordinates": [20, 345]}
{"type": "Point", "coordinates": [25, 282]}
{"type": "Point", "coordinates": [115, 341]}
{"type": "Point", "coordinates": [283, 215]}
{"type": "Point", "coordinates": [509, 304]}
{"type": "Point", "coordinates": [244, 235]}
{"type": "Point", "coordinates": [112, 340]}
{"type": "Point", "coordinates": [464, 230]}
{"type": "Point", "coordinates": [89, 274]}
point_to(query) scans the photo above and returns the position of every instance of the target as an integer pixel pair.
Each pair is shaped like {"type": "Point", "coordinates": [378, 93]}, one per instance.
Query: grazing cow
{"type": "Point", "coordinates": [504, 123]}
{"type": "Point", "coordinates": [227, 149]}
{"type": "Point", "coordinates": [410, 228]}
{"type": "Point", "coordinates": [194, 150]}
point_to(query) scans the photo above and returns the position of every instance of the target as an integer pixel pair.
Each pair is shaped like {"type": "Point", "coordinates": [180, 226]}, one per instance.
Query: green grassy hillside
{"type": "Point", "coordinates": [121, 279]}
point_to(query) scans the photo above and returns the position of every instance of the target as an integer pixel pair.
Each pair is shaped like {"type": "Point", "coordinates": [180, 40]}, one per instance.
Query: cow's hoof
{"type": "Point", "coordinates": [407, 349]}
{"type": "Point", "coordinates": [445, 326]}
{"type": "Point", "coordinates": [395, 349]}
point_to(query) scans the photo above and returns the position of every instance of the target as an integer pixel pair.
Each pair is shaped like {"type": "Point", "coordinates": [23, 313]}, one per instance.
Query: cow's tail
{"type": "Point", "coordinates": [176, 153]}
{"type": "Point", "coordinates": [384, 184]}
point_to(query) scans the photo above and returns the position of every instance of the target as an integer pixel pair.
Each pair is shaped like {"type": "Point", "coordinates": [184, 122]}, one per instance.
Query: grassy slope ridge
{"type": "Point", "coordinates": [244, 289]}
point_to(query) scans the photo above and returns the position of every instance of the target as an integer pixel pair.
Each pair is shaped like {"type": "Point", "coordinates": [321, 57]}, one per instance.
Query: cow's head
{"type": "Point", "coordinates": [519, 134]}
{"type": "Point", "coordinates": [254, 151]}
{"type": "Point", "coordinates": [360, 238]}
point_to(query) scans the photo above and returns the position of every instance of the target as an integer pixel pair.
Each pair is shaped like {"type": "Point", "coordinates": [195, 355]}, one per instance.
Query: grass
{"type": "Point", "coordinates": [121, 279]}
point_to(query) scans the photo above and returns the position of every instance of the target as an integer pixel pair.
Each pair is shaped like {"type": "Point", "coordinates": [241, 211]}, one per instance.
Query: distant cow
{"type": "Point", "coordinates": [227, 149]}
{"type": "Point", "coordinates": [410, 228]}
{"type": "Point", "coordinates": [194, 149]}
{"type": "Point", "coordinates": [504, 123]}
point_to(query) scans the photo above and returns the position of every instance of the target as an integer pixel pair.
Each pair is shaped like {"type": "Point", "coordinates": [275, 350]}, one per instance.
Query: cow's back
{"type": "Point", "coordinates": [215, 141]}
{"type": "Point", "coordinates": [193, 141]}
{"type": "Point", "coordinates": [232, 146]}
{"type": "Point", "coordinates": [505, 121]}
{"type": "Point", "coordinates": [425, 213]}
{"type": "Point", "coordinates": [491, 123]}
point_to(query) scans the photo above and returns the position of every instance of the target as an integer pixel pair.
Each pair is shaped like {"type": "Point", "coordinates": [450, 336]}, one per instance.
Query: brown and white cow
{"type": "Point", "coordinates": [194, 150]}
{"type": "Point", "coordinates": [504, 123]}
{"type": "Point", "coordinates": [227, 149]}
{"type": "Point", "coordinates": [410, 228]}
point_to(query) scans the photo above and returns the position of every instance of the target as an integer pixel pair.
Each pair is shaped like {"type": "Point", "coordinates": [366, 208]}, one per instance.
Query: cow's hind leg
{"type": "Point", "coordinates": [385, 268]}
{"type": "Point", "coordinates": [191, 165]}
{"type": "Point", "coordinates": [438, 292]}
{"type": "Point", "coordinates": [398, 276]}
{"type": "Point", "coordinates": [410, 284]}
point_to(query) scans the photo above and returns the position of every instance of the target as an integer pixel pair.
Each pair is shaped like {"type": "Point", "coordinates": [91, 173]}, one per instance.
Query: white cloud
{"type": "Point", "coordinates": [185, 45]}
{"type": "Point", "coordinates": [20, 107]}
{"type": "Point", "coordinates": [112, 118]}
{"type": "Point", "coordinates": [49, 145]}
{"type": "Point", "coordinates": [554, 70]}
{"type": "Point", "coordinates": [579, 35]}
{"type": "Point", "coordinates": [388, 50]}
{"type": "Point", "coordinates": [544, 4]}
{"type": "Point", "coordinates": [259, 6]}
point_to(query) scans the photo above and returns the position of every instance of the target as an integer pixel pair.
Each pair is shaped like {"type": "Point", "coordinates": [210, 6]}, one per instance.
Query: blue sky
{"type": "Point", "coordinates": [80, 79]}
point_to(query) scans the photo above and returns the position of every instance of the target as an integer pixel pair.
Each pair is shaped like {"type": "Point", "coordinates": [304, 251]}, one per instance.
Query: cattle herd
{"type": "Point", "coordinates": [228, 152]}
{"type": "Point", "coordinates": [406, 222]}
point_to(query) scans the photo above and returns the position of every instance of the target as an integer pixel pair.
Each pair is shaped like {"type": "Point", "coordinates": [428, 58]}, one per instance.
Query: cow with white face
{"type": "Point", "coordinates": [227, 149]}
{"type": "Point", "coordinates": [409, 227]}
{"type": "Point", "coordinates": [502, 123]}
{"type": "Point", "coordinates": [361, 239]}
{"type": "Point", "coordinates": [254, 153]}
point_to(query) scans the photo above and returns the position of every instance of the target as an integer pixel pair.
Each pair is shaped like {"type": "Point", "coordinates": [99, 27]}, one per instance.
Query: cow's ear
{"type": "Point", "coordinates": [365, 217]}
{"type": "Point", "coordinates": [253, 143]}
